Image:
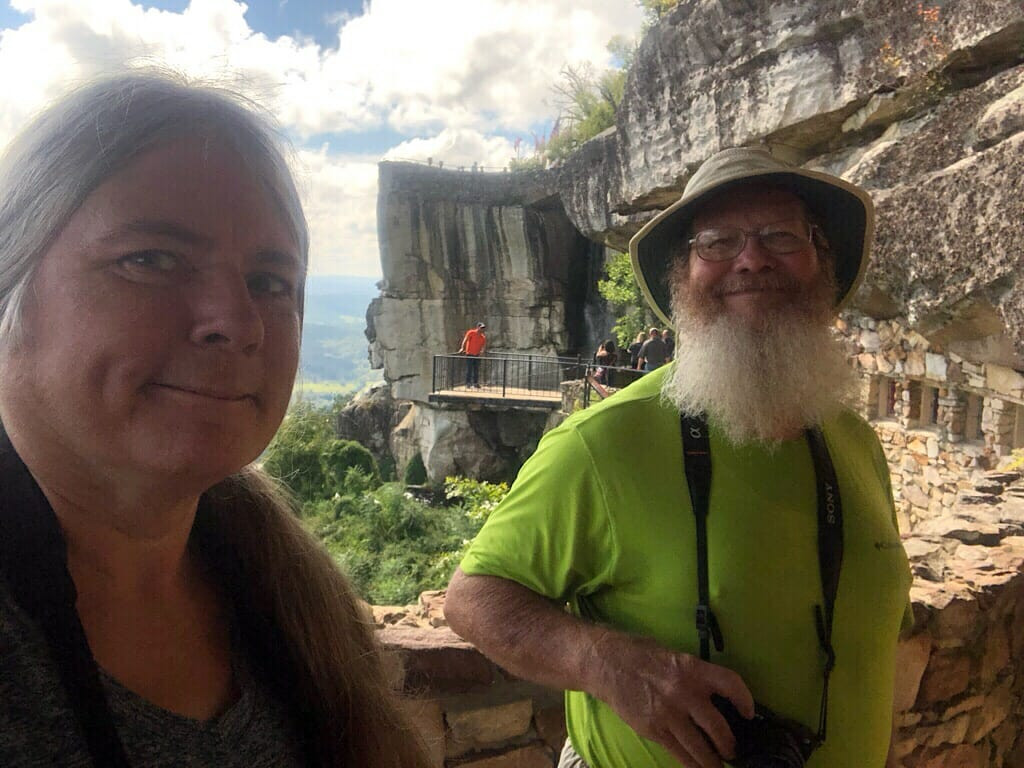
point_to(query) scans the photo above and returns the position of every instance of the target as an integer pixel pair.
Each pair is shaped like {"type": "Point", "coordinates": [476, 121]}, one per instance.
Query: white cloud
{"type": "Point", "coordinates": [457, 147]}
{"type": "Point", "coordinates": [455, 61]}
{"type": "Point", "coordinates": [340, 198]}
{"type": "Point", "coordinates": [461, 71]}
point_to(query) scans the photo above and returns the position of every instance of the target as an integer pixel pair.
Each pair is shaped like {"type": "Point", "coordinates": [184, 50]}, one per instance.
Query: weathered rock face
{"type": "Point", "coordinates": [483, 444]}
{"type": "Point", "coordinates": [923, 105]}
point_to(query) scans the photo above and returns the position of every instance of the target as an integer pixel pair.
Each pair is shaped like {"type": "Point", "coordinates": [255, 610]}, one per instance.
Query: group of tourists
{"type": "Point", "coordinates": [730, 561]}
{"type": "Point", "coordinates": [651, 350]}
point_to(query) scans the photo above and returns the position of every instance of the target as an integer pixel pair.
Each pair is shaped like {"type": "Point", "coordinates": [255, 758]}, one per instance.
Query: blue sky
{"type": "Point", "coordinates": [351, 82]}
{"type": "Point", "coordinates": [315, 19]}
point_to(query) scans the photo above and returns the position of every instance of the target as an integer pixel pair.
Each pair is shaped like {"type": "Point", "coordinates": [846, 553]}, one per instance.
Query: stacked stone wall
{"type": "Point", "coordinates": [943, 420]}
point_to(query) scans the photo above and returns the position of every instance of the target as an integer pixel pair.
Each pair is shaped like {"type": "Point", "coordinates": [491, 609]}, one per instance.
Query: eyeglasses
{"type": "Point", "coordinates": [724, 243]}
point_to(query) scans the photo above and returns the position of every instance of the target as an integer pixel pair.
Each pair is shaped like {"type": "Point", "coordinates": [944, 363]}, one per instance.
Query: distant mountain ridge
{"type": "Point", "coordinates": [334, 358]}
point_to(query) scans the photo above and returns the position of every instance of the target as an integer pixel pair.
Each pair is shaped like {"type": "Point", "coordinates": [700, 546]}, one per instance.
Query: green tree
{"type": "Point", "coordinates": [294, 455]}
{"type": "Point", "coordinates": [587, 102]}
{"type": "Point", "coordinates": [656, 9]}
{"type": "Point", "coordinates": [339, 456]}
{"type": "Point", "coordinates": [415, 471]}
{"type": "Point", "coordinates": [620, 289]}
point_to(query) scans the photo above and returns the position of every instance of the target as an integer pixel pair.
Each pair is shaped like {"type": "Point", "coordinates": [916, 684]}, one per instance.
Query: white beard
{"type": "Point", "coordinates": [757, 384]}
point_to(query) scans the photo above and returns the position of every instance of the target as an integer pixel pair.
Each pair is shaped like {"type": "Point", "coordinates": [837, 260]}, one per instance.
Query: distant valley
{"type": "Point", "coordinates": [334, 358]}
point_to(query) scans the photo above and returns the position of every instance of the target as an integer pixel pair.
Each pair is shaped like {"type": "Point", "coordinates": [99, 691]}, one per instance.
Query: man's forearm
{"type": "Point", "coordinates": [525, 633]}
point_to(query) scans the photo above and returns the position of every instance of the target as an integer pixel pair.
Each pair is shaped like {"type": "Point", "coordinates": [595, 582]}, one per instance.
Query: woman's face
{"type": "Point", "coordinates": [161, 329]}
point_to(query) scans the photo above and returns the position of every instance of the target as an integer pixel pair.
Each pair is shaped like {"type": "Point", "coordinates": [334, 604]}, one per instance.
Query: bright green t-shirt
{"type": "Point", "coordinates": [600, 517]}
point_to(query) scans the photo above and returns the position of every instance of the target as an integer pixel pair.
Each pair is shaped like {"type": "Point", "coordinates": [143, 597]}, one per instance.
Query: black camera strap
{"type": "Point", "coordinates": [697, 466]}
{"type": "Point", "coordinates": [33, 561]}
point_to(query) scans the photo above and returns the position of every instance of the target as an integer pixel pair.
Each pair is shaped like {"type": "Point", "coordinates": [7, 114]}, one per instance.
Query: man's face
{"type": "Point", "coordinates": [756, 283]}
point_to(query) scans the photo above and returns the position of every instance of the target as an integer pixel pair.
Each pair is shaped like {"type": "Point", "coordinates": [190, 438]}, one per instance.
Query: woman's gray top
{"type": "Point", "coordinates": [38, 726]}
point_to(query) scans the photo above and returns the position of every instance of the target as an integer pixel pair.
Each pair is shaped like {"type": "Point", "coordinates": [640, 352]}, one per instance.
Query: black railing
{"type": "Point", "coordinates": [509, 375]}
{"type": "Point", "coordinates": [514, 375]}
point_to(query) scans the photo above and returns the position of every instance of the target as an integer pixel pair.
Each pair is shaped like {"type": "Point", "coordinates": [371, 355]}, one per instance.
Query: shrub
{"type": "Point", "coordinates": [415, 471]}
{"type": "Point", "coordinates": [294, 454]}
{"type": "Point", "coordinates": [393, 546]}
{"type": "Point", "coordinates": [341, 455]}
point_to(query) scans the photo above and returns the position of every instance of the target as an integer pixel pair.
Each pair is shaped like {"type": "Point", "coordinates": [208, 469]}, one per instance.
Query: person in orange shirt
{"type": "Point", "coordinates": [473, 345]}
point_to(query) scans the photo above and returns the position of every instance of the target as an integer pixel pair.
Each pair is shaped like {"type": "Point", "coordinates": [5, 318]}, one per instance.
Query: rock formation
{"type": "Point", "coordinates": [459, 248]}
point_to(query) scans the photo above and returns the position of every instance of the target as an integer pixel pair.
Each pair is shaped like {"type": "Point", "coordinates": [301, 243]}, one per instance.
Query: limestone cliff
{"type": "Point", "coordinates": [459, 248]}
{"type": "Point", "coordinates": [922, 104]}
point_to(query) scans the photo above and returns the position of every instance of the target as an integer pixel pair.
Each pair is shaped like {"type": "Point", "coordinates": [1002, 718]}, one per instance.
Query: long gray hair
{"type": "Point", "coordinates": [309, 637]}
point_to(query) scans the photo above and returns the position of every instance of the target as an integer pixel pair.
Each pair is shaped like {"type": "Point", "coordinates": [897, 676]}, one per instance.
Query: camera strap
{"type": "Point", "coordinates": [33, 561]}
{"type": "Point", "coordinates": [697, 467]}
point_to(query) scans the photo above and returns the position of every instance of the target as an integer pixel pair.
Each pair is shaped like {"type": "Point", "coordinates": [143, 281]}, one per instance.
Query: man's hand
{"type": "Point", "coordinates": [666, 697]}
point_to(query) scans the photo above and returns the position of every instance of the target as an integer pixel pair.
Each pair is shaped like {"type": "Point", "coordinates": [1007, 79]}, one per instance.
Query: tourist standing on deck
{"type": "Point", "coordinates": [473, 345]}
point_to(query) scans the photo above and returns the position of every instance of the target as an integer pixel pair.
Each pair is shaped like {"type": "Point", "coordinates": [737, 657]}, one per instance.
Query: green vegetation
{"type": "Point", "coordinates": [392, 545]}
{"type": "Point", "coordinates": [588, 102]}
{"type": "Point", "coordinates": [620, 289]}
{"type": "Point", "coordinates": [415, 472]}
{"type": "Point", "coordinates": [655, 9]}
{"type": "Point", "coordinates": [295, 455]}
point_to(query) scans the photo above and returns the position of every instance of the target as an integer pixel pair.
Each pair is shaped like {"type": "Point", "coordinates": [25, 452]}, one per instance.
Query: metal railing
{"type": "Point", "coordinates": [514, 375]}
{"type": "Point", "coordinates": [509, 375]}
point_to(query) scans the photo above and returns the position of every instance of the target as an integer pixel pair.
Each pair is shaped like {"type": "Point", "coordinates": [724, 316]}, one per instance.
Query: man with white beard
{"type": "Point", "coordinates": [722, 531]}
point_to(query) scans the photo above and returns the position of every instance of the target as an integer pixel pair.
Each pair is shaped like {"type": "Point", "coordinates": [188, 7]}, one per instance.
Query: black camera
{"type": "Point", "coordinates": [767, 740]}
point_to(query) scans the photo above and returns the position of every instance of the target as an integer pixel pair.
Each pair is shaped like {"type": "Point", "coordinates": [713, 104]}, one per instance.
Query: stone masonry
{"type": "Point", "coordinates": [943, 420]}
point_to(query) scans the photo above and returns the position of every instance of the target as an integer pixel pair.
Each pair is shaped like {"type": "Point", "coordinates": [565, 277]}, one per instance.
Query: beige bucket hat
{"type": "Point", "coordinates": [847, 213]}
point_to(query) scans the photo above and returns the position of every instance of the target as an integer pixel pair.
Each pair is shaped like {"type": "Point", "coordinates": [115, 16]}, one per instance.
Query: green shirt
{"type": "Point", "coordinates": [600, 517]}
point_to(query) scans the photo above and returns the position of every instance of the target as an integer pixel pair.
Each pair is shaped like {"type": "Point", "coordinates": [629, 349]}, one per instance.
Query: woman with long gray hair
{"type": "Point", "coordinates": [160, 603]}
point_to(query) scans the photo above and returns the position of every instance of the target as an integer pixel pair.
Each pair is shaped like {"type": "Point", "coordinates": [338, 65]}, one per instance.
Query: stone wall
{"type": "Point", "coordinates": [959, 692]}
{"type": "Point", "coordinates": [943, 420]}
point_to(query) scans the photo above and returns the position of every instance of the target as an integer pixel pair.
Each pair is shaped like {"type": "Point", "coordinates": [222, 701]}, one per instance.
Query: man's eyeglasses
{"type": "Point", "coordinates": [724, 243]}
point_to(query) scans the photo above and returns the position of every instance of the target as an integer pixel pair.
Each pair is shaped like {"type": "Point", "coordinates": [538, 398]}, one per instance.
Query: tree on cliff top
{"type": "Point", "coordinates": [656, 8]}
{"type": "Point", "coordinates": [587, 101]}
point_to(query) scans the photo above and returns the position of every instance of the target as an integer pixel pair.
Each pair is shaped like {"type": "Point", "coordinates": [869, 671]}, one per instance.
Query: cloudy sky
{"type": "Point", "coordinates": [352, 82]}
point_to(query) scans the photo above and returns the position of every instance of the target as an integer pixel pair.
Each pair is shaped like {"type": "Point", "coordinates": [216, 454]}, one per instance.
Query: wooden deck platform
{"type": "Point", "coordinates": [493, 396]}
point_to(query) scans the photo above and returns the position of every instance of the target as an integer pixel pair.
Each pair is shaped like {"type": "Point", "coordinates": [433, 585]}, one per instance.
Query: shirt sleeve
{"type": "Point", "coordinates": [552, 533]}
